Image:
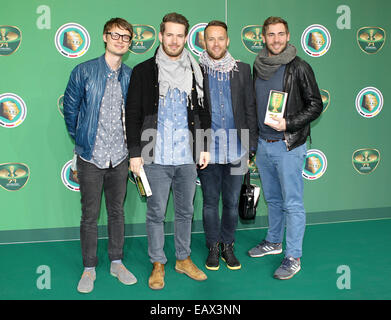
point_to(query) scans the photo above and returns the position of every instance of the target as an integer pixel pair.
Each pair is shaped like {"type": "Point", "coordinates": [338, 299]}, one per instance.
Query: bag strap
{"type": "Point", "coordinates": [247, 178]}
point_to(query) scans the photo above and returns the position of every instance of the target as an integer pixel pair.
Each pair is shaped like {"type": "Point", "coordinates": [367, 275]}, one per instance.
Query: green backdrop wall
{"type": "Point", "coordinates": [346, 42]}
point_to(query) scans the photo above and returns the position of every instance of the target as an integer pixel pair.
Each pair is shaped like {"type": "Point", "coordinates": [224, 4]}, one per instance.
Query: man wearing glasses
{"type": "Point", "coordinates": [94, 114]}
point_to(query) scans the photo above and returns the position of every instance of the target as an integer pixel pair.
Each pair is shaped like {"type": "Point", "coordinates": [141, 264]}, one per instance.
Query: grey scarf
{"type": "Point", "coordinates": [265, 66]}
{"type": "Point", "coordinates": [178, 74]}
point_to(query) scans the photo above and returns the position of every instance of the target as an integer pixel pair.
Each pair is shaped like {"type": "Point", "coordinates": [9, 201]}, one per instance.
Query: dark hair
{"type": "Point", "coordinates": [216, 23]}
{"type": "Point", "coordinates": [120, 23]}
{"type": "Point", "coordinates": [274, 20]}
{"type": "Point", "coordinates": [176, 18]}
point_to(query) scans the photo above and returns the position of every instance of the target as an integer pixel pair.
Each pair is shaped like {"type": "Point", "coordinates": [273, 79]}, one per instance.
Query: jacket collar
{"type": "Point", "coordinates": [107, 70]}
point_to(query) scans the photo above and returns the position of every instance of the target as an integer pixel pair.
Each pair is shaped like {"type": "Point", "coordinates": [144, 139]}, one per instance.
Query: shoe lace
{"type": "Point", "coordinates": [287, 263]}
{"type": "Point", "coordinates": [214, 248]}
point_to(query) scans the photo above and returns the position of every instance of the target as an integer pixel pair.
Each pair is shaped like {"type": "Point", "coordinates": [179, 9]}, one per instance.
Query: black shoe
{"type": "Point", "coordinates": [212, 262]}
{"type": "Point", "coordinates": [227, 254]}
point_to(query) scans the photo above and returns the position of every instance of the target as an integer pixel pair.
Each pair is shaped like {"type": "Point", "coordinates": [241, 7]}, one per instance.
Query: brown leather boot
{"type": "Point", "coordinates": [156, 280]}
{"type": "Point", "coordinates": [189, 268]}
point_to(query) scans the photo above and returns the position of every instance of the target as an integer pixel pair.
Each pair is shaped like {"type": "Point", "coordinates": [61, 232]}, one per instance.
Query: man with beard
{"type": "Point", "coordinates": [164, 110]}
{"type": "Point", "coordinates": [229, 92]}
{"type": "Point", "coordinates": [282, 146]}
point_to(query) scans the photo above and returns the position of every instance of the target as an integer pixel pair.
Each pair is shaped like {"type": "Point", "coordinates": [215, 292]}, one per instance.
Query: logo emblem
{"type": "Point", "coordinates": [72, 40]}
{"type": "Point", "coordinates": [371, 39]}
{"type": "Point", "coordinates": [143, 39]}
{"type": "Point", "coordinates": [369, 102]}
{"type": "Point", "coordinates": [315, 164]}
{"type": "Point", "coordinates": [12, 110]}
{"type": "Point", "coordinates": [365, 161]}
{"type": "Point", "coordinates": [69, 177]}
{"type": "Point", "coordinates": [13, 176]}
{"type": "Point", "coordinates": [325, 95]}
{"type": "Point", "coordinates": [195, 39]}
{"type": "Point", "coordinates": [60, 104]}
{"type": "Point", "coordinates": [10, 38]}
{"type": "Point", "coordinates": [251, 38]}
{"type": "Point", "coordinates": [252, 167]}
{"type": "Point", "coordinates": [316, 40]}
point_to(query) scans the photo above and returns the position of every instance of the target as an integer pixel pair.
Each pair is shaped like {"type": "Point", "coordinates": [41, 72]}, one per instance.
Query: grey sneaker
{"type": "Point", "coordinates": [288, 268]}
{"type": "Point", "coordinates": [264, 248]}
{"type": "Point", "coordinates": [86, 283]}
{"type": "Point", "coordinates": [124, 275]}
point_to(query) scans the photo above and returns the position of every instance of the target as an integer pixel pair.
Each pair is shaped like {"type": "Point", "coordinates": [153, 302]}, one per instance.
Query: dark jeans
{"type": "Point", "coordinates": [113, 181]}
{"type": "Point", "coordinates": [218, 179]}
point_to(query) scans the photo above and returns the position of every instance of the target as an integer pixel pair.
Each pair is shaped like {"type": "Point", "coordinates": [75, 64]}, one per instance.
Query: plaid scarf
{"type": "Point", "coordinates": [223, 68]}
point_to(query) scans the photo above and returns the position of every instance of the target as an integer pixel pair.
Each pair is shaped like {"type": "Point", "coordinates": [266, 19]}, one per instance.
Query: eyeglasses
{"type": "Point", "coordinates": [116, 36]}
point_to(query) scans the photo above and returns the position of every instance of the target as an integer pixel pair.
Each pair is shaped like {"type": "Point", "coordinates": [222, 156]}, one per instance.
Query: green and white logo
{"type": "Point", "coordinates": [366, 160]}
{"type": "Point", "coordinates": [13, 110]}
{"type": "Point", "coordinates": [13, 176]}
{"type": "Point", "coordinates": [69, 177]}
{"type": "Point", "coordinates": [60, 104]}
{"type": "Point", "coordinates": [316, 40]}
{"type": "Point", "coordinates": [371, 39]}
{"type": "Point", "coordinates": [315, 164]}
{"type": "Point", "coordinates": [10, 39]}
{"type": "Point", "coordinates": [72, 40]}
{"type": "Point", "coordinates": [143, 39]}
{"type": "Point", "coordinates": [251, 38]}
{"type": "Point", "coordinates": [369, 102]}
{"type": "Point", "coordinates": [195, 38]}
{"type": "Point", "coordinates": [253, 169]}
{"type": "Point", "coordinates": [325, 95]}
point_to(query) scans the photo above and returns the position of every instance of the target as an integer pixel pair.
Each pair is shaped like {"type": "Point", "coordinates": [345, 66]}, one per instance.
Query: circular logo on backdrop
{"type": "Point", "coordinates": [251, 38]}
{"type": "Point", "coordinates": [369, 102]}
{"type": "Point", "coordinates": [10, 38]}
{"type": "Point", "coordinates": [60, 105]}
{"type": "Point", "coordinates": [13, 176]}
{"type": "Point", "coordinates": [12, 110]}
{"type": "Point", "coordinates": [316, 40]}
{"type": "Point", "coordinates": [366, 160]}
{"type": "Point", "coordinates": [371, 39]}
{"type": "Point", "coordinates": [143, 39]}
{"type": "Point", "coordinates": [69, 177]}
{"type": "Point", "coordinates": [195, 38]}
{"type": "Point", "coordinates": [72, 40]}
{"type": "Point", "coordinates": [315, 164]}
{"type": "Point", "coordinates": [325, 95]}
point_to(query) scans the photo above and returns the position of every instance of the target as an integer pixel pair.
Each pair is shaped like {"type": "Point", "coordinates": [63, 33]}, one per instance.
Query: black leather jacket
{"type": "Point", "coordinates": [304, 103]}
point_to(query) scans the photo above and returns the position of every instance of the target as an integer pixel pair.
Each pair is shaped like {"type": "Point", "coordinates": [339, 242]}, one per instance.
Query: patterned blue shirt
{"type": "Point", "coordinates": [110, 144]}
{"type": "Point", "coordinates": [172, 140]}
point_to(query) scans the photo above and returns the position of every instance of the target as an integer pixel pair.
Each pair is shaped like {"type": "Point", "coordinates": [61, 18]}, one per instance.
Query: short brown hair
{"type": "Point", "coordinates": [274, 20]}
{"type": "Point", "coordinates": [176, 18]}
{"type": "Point", "coordinates": [216, 23]}
{"type": "Point", "coordinates": [120, 23]}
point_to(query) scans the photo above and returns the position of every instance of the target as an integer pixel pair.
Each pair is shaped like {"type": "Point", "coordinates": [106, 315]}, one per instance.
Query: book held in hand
{"type": "Point", "coordinates": [142, 183]}
{"type": "Point", "coordinates": [275, 106]}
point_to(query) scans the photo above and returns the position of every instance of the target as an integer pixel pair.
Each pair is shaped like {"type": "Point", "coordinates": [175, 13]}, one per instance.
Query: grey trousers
{"type": "Point", "coordinates": [113, 182]}
{"type": "Point", "coordinates": [181, 179]}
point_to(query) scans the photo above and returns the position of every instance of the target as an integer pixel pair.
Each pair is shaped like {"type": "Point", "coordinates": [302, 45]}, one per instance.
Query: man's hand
{"type": "Point", "coordinates": [135, 165]}
{"type": "Point", "coordinates": [280, 126]}
{"type": "Point", "coordinates": [204, 159]}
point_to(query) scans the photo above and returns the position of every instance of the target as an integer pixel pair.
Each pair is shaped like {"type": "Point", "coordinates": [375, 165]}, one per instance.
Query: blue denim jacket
{"type": "Point", "coordinates": [82, 100]}
{"type": "Point", "coordinates": [225, 145]}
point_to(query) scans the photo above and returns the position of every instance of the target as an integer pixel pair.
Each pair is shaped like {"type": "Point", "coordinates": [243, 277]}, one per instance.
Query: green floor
{"type": "Point", "coordinates": [362, 246]}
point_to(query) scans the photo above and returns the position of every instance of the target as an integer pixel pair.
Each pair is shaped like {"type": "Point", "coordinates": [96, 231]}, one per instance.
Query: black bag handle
{"type": "Point", "coordinates": [247, 178]}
